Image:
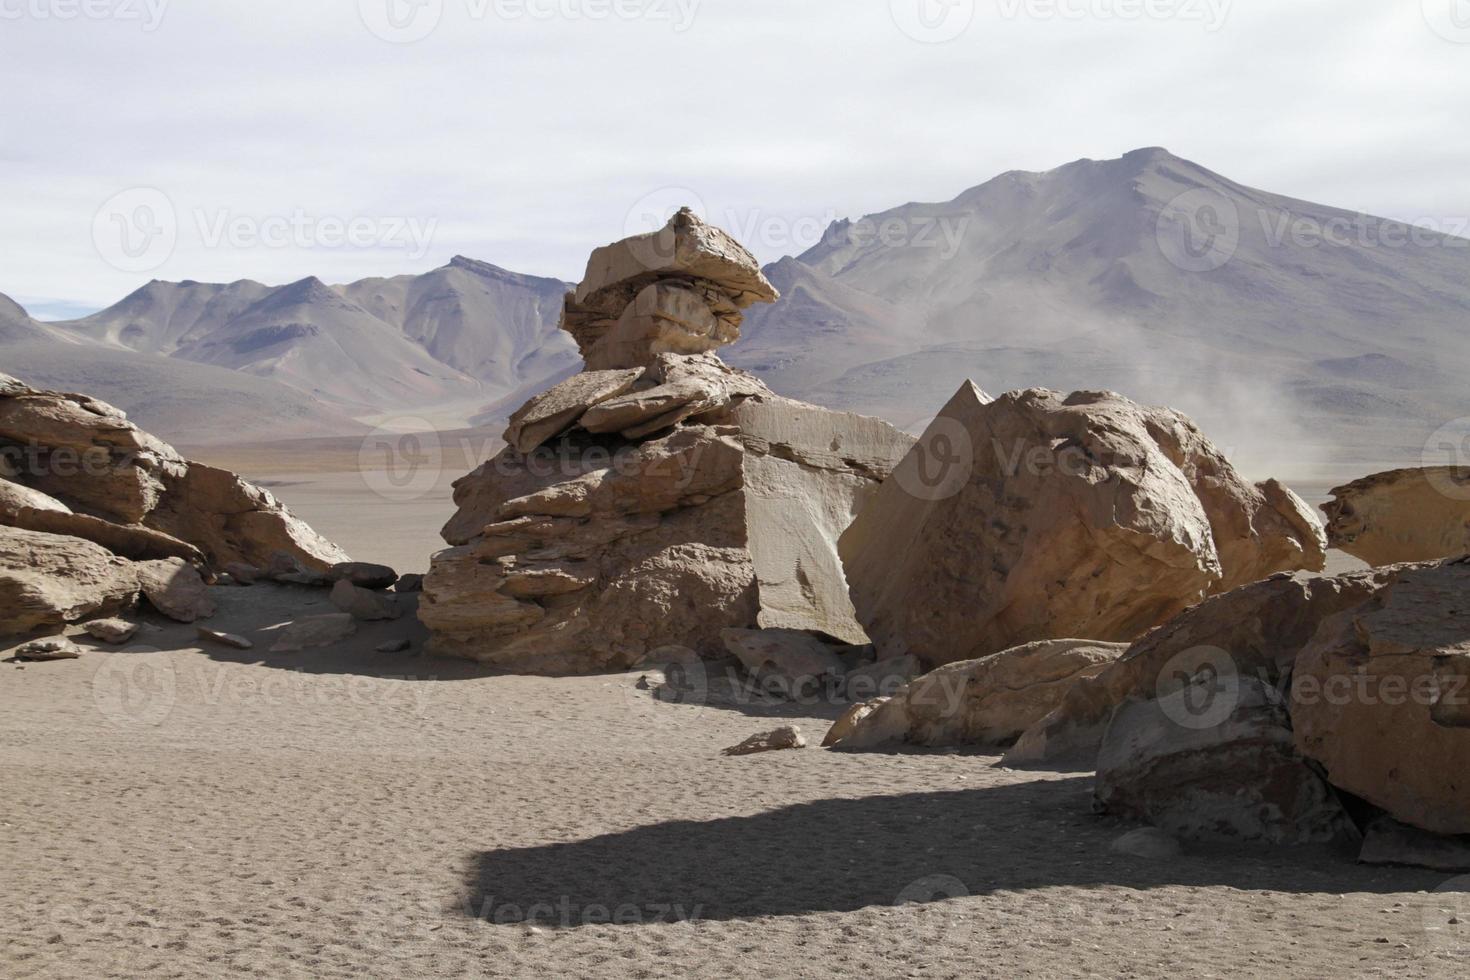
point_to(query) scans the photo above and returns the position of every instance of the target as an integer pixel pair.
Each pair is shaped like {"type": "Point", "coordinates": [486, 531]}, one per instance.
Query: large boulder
{"type": "Point", "coordinates": [1409, 515]}
{"type": "Point", "coordinates": [1380, 700]}
{"type": "Point", "coordinates": [1254, 631]}
{"type": "Point", "coordinates": [50, 580]}
{"type": "Point", "coordinates": [1038, 516]}
{"type": "Point", "coordinates": [1178, 763]}
{"type": "Point", "coordinates": [661, 497]}
{"type": "Point", "coordinates": [987, 702]}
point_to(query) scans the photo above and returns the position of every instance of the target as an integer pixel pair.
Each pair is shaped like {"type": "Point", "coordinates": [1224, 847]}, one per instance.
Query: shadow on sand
{"type": "Point", "coordinates": [841, 855]}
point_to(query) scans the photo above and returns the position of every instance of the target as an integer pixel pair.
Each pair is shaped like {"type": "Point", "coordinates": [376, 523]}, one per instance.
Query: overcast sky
{"type": "Point", "coordinates": [274, 139]}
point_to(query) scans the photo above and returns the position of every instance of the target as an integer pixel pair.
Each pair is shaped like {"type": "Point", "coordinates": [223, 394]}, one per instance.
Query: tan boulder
{"type": "Point", "coordinates": [1254, 631]}
{"type": "Point", "coordinates": [665, 318]}
{"type": "Point", "coordinates": [1239, 777]}
{"type": "Point", "coordinates": [1380, 698]}
{"type": "Point", "coordinates": [174, 588]}
{"type": "Point", "coordinates": [1037, 516]}
{"type": "Point", "coordinates": [364, 604]}
{"type": "Point", "coordinates": [850, 720]}
{"type": "Point", "coordinates": [986, 702]}
{"type": "Point", "coordinates": [49, 580]}
{"type": "Point", "coordinates": [1406, 515]}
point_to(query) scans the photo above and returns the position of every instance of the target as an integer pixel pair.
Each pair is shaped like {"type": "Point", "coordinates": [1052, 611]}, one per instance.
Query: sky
{"type": "Point", "coordinates": [276, 139]}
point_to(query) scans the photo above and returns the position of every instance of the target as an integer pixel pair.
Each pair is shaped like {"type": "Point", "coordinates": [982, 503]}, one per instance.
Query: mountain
{"type": "Point", "coordinates": [464, 335]}
{"type": "Point", "coordinates": [188, 403]}
{"type": "Point", "coordinates": [1327, 335]}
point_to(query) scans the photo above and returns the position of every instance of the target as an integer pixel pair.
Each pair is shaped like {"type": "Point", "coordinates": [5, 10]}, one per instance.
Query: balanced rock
{"type": "Point", "coordinates": [1380, 698]}
{"type": "Point", "coordinates": [1038, 515]}
{"type": "Point", "coordinates": [1406, 515]}
{"type": "Point", "coordinates": [661, 497]}
{"type": "Point", "coordinates": [986, 702]}
{"type": "Point", "coordinates": [1237, 776]}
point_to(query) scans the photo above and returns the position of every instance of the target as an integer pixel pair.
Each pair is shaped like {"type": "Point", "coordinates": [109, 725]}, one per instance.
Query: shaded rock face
{"type": "Point", "coordinates": [1255, 631]}
{"type": "Point", "coordinates": [1400, 516]}
{"type": "Point", "coordinates": [986, 702]}
{"type": "Point", "coordinates": [660, 497]}
{"type": "Point", "coordinates": [1037, 516]}
{"type": "Point", "coordinates": [84, 493]}
{"type": "Point", "coordinates": [1381, 698]}
{"type": "Point", "coordinates": [1237, 778]}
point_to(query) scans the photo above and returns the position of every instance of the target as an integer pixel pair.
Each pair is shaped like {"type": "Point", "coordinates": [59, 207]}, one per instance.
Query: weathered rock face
{"type": "Point", "coordinates": [1237, 778]}
{"type": "Point", "coordinates": [1037, 516]}
{"type": "Point", "coordinates": [74, 471]}
{"type": "Point", "coordinates": [1255, 631]}
{"type": "Point", "coordinates": [1402, 516]}
{"type": "Point", "coordinates": [985, 702]}
{"type": "Point", "coordinates": [661, 497]}
{"type": "Point", "coordinates": [1381, 698]}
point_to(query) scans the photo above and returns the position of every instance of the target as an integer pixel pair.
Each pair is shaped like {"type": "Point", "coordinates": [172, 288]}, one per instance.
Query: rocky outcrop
{"type": "Point", "coordinates": [1038, 515]}
{"type": "Point", "coordinates": [1237, 778]}
{"type": "Point", "coordinates": [660, 497]}
{"type": "Point", "coordinates": [1255, 631]}
{"type": "Point", "coordinates": [74, 471]}
{"type": "Point", "coordinates": [987, 702]}
{"type": "Point", "coordinates": [1380, 698]}
{"type": "Point", "coordinates": [1407, 515]}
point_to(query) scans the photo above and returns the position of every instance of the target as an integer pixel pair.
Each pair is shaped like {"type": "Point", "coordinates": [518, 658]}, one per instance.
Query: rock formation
{"type": "Point", "coordinates": [987, 702]}
{"type": "Point", "coordinates": [93, 510]}
{"type": "Point", "coordinates": [1038, 516]}
{"type": "Point", "coordinates": [1402, 516]}
{"type": "Point", "coordinates": [661, 496]}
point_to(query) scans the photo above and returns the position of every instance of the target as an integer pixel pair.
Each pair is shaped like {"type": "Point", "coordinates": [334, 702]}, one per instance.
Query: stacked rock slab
{"type": "Point", "coordinates": [660, 496]}
{"type": "Point", "coordinates": [1039, 516]}
{"type": "Point", "coordinates": [85, 494]}
{"type": "Point", "coordinates": [1402, 516]}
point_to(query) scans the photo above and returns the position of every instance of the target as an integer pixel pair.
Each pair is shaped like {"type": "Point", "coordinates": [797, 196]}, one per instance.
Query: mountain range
{"type": "Point", "coordinates": [1299, 335]}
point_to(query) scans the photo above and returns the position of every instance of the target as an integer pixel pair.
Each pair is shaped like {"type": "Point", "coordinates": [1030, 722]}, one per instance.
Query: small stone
{"type": "Point", "coordinates": [51, 648]}
{"type": "Point", "coordinates": [395, 646]}
{"type": "Point", "coordinates": [785, 737]}
{"type": "Point", "coordinates": [111, 630]}
{"type": "Point", "coordinates": [225, 639]}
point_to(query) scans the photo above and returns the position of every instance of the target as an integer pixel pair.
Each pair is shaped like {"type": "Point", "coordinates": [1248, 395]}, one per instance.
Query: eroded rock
{"type": "Point", "coordinates": [1409, 515]}
{"type": "Point", "coordinates": [785, 737]}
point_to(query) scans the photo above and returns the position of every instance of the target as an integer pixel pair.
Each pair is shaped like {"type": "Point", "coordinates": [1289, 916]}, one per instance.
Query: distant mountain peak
{"type": "Point", "coordinates": [11, 310]}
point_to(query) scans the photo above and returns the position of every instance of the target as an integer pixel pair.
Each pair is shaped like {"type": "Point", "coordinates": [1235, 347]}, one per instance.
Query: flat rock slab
{"type": "Point", "coordinates": [786, 737]}
{"type": "Point", "coordinates": [313, 632]}
{"type": "Point", "coordinates": [52, 648]}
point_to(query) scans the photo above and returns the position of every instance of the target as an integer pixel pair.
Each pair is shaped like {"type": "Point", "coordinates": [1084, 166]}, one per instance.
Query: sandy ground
{"type": "Point", "coordinates": [176, 811]}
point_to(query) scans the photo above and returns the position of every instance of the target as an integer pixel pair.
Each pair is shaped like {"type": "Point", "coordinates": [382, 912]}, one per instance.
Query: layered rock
{"type": "Point", "coordinates": [987, 702]}
{"type": "Point", "coordinates": [1038, 515]}
{"type": "Point", "coordinates": [1408, 515]}
{"type": "Point", "coordinates": [661, 496]}
{"type": "Point", "coordinates": [88, 494]}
